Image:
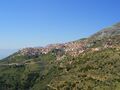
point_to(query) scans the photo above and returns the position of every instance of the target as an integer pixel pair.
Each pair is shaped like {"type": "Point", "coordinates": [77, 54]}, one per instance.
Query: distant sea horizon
{"type": "Point", "coordinates": [6, 52]}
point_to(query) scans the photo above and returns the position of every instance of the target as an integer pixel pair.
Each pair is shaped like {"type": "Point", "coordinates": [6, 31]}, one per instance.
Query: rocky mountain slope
{"type": "Point", "coordinates": [108, 32]}
{"type": "Point", "coordinates": [86, 64]}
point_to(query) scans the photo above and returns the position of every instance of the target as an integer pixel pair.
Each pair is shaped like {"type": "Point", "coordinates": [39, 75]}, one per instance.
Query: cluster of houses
{"type": "Point", "coordinates": [71, 48]}
{"type": "Point", "coordinates": [74, 48]}
{"type": "Point", "coordinates": [31, 51]}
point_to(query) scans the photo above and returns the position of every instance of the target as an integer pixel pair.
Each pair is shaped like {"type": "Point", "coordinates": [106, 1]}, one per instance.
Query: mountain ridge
{"type": "Point", "coordinates": [81, 43]}
{"type": "Point", "coordinates": [86, 64]}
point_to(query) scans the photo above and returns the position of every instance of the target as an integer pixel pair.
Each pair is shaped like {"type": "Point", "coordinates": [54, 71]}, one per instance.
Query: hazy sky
{"type": "Point", "coordinates": [25, 23]}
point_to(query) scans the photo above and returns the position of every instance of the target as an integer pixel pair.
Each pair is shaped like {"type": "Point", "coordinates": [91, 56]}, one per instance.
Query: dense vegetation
{"type": "Point", "coordinates": [89, 71]}
{"type": "Point", "coordinates": [27, 76]}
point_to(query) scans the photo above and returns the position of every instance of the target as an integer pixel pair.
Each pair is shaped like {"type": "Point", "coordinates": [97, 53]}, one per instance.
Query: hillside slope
{"type": "Point", "coordinates": [86, 64]}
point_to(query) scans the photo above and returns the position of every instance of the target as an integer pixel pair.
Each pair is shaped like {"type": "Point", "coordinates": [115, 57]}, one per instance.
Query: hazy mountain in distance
{"type": "Point", "coordinates": [6, 52]}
